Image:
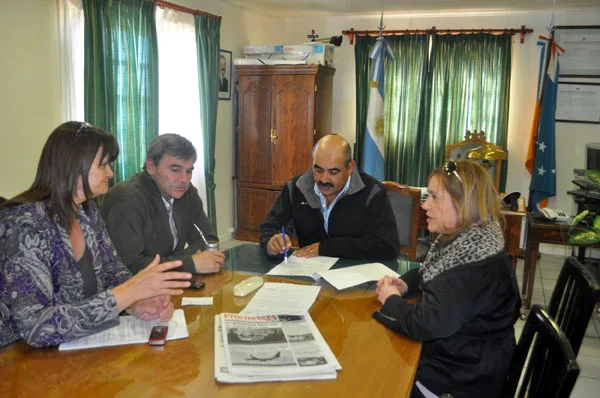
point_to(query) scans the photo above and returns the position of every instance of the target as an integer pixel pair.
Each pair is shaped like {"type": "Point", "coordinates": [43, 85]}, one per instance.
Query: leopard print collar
{"type": "Point", "coordinates": [471, 245]}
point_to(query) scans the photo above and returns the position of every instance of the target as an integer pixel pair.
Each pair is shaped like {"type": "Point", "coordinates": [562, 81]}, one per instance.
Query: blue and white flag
{"type": "Point", "coordinates": [543, 177]}
{"type": "Point", "coordinates": [374, 145]}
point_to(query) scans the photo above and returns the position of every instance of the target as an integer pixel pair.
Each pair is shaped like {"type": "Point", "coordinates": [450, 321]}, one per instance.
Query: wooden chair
{"type": "Point", "coordinates": [573, 300]}
{"type": "Point", "coordinates": [550, 369]}
{"type": "Point", "coordinates": [405, 204]}
{"type": "Point", "coordinates": [472, 141]}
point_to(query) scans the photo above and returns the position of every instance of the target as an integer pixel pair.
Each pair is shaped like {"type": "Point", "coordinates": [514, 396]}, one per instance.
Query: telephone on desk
{"type": "Point", "coordinates": [554, 214]}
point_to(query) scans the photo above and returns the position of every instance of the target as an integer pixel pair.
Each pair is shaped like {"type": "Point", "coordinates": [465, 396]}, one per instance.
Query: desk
{"type": "Point", "coordinates": [511, 230]}
{"type": "Point", "coordinates": [375, 360]}
{"type": "Point", "coordinates": [541, 231]}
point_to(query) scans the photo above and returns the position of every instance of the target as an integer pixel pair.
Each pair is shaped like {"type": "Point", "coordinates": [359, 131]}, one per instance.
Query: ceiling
{"type": "Point", "coordinates": [348, 7]}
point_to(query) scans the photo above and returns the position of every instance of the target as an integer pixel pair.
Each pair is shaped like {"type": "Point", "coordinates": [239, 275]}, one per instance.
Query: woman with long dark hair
{"type": "Point", "coordinates": [61, 277]}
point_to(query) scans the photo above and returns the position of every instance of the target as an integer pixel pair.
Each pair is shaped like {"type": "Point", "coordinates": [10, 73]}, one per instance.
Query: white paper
{"type": "Point", "coordinates": [197, 301]}
{"type": "Point", "coordinates": [282, 298]}
{"type": "Point", "coordinates": [130, 330]}
{"type": "Point", "coordinates": [302, 266]}
{"type": "Point", "coordinates": [222, 373]}
{"type": "Point", "coordinates": [343, 278]}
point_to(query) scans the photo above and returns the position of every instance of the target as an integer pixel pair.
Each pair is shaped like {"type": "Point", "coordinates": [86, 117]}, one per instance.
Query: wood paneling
{"type": "Point", "coordinates": [282, 112]}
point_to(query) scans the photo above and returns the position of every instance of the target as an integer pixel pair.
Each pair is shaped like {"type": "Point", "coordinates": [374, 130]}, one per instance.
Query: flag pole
{"type": "Point", "coordinates": [538, 107]}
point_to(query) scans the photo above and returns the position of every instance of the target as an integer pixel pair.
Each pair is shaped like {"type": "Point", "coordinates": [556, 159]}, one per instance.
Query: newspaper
{"type": "Point", "coordinates": [222, 373]}
{"type": "Point", "coordinates": [275, 345]}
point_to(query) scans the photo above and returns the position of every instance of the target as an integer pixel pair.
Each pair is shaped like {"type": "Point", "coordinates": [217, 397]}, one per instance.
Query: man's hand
{"type": "Point", "coordinates": [153, 308]}
{"type": "Point", "coordinates": [308, 251]}
{"type": "Point", "coordinates": [208, 261]}
{"type": "Point", "coordinates": [276, 245]}
{"type": "Point", "coordinates": [388, 286]}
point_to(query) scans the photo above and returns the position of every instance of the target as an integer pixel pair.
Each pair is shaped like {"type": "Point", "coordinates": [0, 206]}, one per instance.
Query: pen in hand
{"type": "Point", "coordinates": [284, 245]}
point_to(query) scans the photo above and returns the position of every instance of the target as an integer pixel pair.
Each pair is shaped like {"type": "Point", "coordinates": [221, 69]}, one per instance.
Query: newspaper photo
{"type": "Point", "coordinates": [275, 345]}
{"type": "Point", "coordinates": [222, 372]}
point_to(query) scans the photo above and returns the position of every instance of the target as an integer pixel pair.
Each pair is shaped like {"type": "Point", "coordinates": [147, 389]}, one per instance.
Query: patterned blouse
{"type": "Point", "coordinates": [41, 288]}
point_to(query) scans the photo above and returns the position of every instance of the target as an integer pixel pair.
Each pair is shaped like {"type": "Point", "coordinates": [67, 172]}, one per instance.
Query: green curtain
{"type": "Point", "coordinates": [121, 76]}
{"type": "Point", "coordinates": [404, 108]}
{"type": "Point", "coordinates": [439, 87]}
{"type": "Point", "coordinates": [470, 86]}
{"type": "Point", "coordinates": [362, 63]}
{"type": "Point", "coordinates": [208, 33]}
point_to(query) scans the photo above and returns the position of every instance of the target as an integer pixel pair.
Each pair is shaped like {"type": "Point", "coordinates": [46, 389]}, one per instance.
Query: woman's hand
{"type": "Point", "coordinates": [159, 307]}
{"type": "Point", "coordinates": [154, 280]}
{"type": "Point", "coordinates": [388, 286]}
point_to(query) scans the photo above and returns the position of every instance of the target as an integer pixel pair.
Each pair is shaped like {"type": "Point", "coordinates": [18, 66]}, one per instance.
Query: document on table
{"type": "Point", "coordinates": [343, 278]}
{"type": "Point", "coordinates": [197, 301]}
{"type": "Point", "coordinates": [130, 330]}
{"type": "Point", "coordinates": [302, 266]}
{"type": "Point", "coordinates": [282, 298]}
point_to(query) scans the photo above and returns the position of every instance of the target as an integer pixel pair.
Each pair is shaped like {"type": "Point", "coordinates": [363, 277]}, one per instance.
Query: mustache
{"type": "Point", "coordinates": [325, 184]}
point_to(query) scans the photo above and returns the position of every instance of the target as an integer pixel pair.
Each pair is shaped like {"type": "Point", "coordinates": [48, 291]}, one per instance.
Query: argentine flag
{"type": "Point", "coordinates": [374, 146]}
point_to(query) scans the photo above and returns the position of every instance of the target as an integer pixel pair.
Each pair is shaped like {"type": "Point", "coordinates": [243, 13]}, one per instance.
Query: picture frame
{"type": "Point", "coordinates": [582, 50]}
{"type": "Point", "coordinates": [578, 102]}
{"type": "Point", "coordinates": [225, 72]}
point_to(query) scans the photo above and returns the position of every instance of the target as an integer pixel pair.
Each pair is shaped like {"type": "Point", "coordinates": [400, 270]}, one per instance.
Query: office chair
{"type": "Point", "coordinates": [405, 204]}
{"type": "Point", "coordinates": [573, 300]}
{"type": "Point", "coordinates": [550, 370]}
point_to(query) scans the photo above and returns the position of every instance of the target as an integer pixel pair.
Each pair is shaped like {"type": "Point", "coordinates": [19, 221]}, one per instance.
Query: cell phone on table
{"type": "Point", "coordinates": [158, 335]}
{"type": "Point", "coordinates": [197, 285]}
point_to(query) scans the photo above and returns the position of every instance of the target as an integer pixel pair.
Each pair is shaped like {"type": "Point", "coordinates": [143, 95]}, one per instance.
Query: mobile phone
{"type": "Point", "coordinates": [158, 335]}
{"type": "Point", "coordinates": [197, 285]}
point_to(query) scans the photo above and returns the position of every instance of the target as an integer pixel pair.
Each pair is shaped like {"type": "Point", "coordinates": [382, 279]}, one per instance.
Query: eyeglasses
{"type": "Point", "coordinates": [81, 129]}
{"type": "Point", "coordinates": [450, 168]}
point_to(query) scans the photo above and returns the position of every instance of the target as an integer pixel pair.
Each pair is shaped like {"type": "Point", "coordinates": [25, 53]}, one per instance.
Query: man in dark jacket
{"type": "Point", "coordinates": [159, 211]}
{"type": "Point", "coordinates": [333, 209]}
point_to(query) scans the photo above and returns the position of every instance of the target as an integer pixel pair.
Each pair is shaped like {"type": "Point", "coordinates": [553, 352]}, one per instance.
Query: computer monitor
{"type": "Point", "coordinates": [592, 156]}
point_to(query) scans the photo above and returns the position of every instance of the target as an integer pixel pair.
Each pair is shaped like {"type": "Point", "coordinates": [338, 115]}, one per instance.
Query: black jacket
{"type": "Point", "coordinates": [465, 320]}
{"type": "Point", "coordinates": [361, 225]}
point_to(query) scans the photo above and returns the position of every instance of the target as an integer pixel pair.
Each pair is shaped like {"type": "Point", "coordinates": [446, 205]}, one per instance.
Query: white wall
{"type": "Point", "coordinates": [238, 29]}
{"type": "Point", "coordinates": [571, 138]}
{"type": "Point", "coordinates": [29, 88]}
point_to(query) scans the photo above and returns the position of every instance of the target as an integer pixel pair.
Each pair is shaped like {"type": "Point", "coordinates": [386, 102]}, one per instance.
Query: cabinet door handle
{"type": "Point", "coordinates": [274, 137]}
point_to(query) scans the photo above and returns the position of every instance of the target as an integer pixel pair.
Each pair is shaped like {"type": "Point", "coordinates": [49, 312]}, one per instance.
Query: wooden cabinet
{"type": "Point", "coordinates": [282, 111]}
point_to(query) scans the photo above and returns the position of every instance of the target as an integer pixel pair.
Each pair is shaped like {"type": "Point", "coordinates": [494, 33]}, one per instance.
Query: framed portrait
{"type": "Point", "coordinates": [225, 82]}
{"type": "Point", "coordinates": [582, 50]}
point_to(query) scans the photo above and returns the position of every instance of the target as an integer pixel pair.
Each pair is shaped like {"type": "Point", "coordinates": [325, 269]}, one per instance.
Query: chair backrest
{"type": "Point", "coordinates": [573, 300]}
{"type": "Point", "coordinates": [405, 204]}
{"type": "Point", "coordinates": [549, 369]}
{"type": "Point", "coordinates": [474, 140]}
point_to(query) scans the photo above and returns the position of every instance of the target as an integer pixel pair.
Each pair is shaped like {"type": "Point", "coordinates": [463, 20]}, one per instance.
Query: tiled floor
{"type": "Point", "coordinates": [588, 383]}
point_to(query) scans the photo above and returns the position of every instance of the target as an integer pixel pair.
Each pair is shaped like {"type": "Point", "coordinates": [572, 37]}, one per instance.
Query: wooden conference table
{"type": "Point", "coordinates": [375, 361]}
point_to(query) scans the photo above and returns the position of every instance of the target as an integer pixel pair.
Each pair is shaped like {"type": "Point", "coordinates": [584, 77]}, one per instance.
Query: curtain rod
{"type": "Point", "coordinates": [176, 7]}
{"type": "Point", "coordinates": [352, 33]}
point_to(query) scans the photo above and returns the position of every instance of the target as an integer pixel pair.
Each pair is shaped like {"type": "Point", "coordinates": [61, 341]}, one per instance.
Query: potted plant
{"type": "Point", "coordinates": [590, 232]}
{"type": "Point", "coordinates": [587, 235]}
